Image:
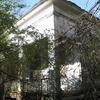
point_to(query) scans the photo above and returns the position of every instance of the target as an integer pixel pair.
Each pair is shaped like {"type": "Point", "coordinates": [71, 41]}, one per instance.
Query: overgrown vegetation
{"type": "Point", "coordinates": [16, 53]}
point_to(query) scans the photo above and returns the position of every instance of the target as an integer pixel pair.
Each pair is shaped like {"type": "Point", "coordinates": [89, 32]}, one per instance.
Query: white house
{"type": "Point", "coordinates": [57, 17]}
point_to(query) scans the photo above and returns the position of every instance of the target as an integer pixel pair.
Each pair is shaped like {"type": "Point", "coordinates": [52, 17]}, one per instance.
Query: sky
{"type": "Point", "coordinates": [84, 4]}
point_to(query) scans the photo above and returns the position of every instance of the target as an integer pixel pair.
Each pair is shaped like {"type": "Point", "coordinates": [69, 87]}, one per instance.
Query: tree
{"type": "Point", "coordinates": [8, 51]}
{"type": "Point", "coordinates": [89, 40]}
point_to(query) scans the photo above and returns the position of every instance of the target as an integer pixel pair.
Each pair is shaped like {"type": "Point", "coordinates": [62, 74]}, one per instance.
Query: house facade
{"type": "Point", "coordinates": [55, 18]}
